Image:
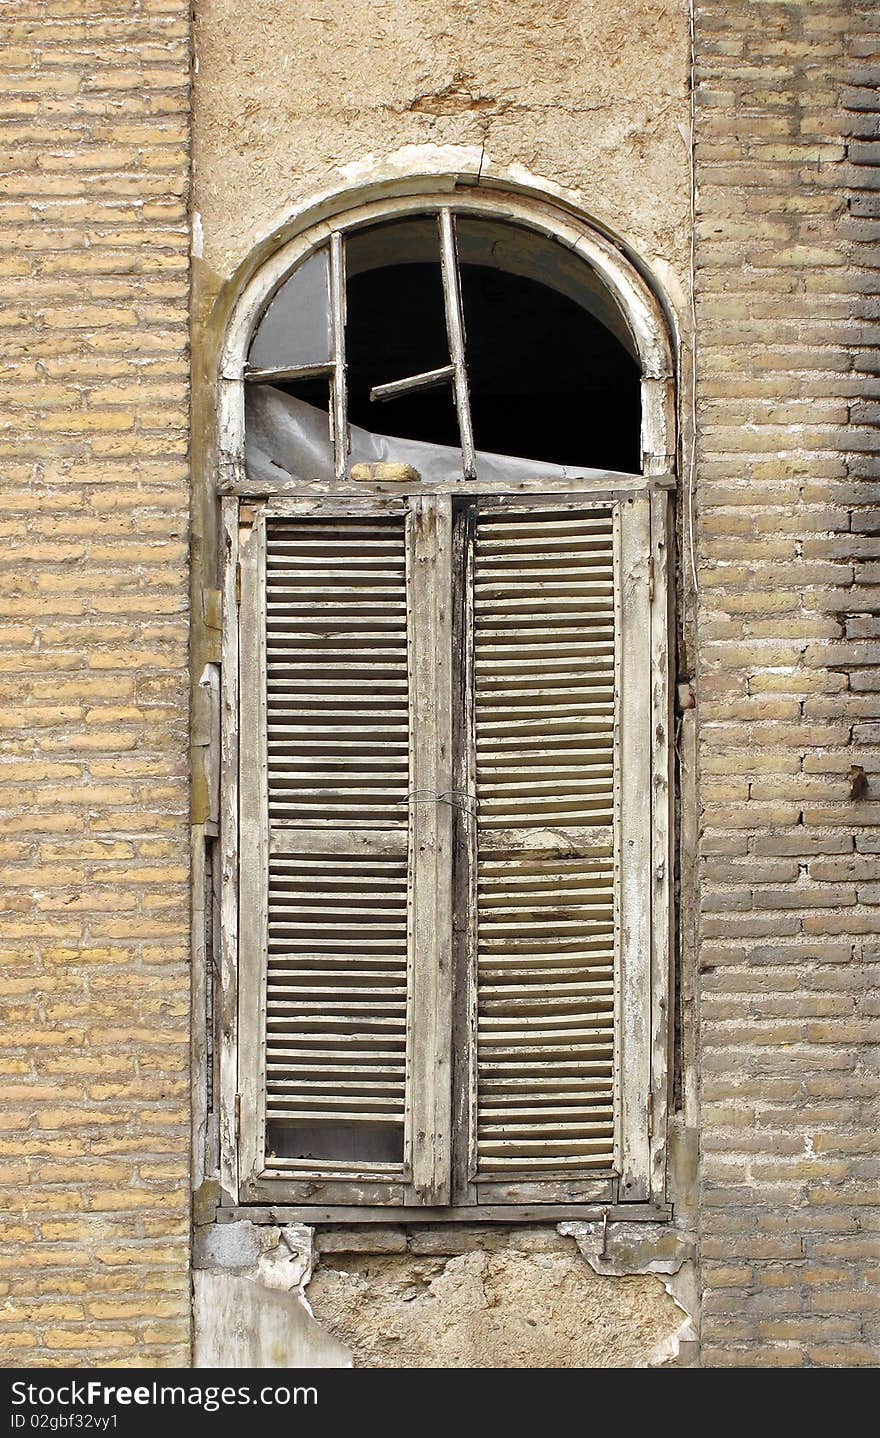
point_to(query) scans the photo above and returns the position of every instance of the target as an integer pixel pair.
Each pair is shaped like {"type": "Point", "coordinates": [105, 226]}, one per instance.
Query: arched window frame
{"type": "Point", "coordinates": [644, 1006]}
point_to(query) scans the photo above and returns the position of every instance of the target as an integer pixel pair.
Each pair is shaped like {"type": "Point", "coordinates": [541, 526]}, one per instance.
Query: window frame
{"type": "Point", "coordinates": [641, 1191]}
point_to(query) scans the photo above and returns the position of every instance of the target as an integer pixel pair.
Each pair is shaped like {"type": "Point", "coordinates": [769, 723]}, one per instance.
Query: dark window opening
{"type": "Point", "coordinates": [547, 380]}
{"type": "Point", "coordinates": [312, 391]}
{"type": "Point", "coordinates": [396, 328]}
{"type": "Point", "coordinates": [546, 368]}
{"type": "Point", "coordinates": [335, 1142]}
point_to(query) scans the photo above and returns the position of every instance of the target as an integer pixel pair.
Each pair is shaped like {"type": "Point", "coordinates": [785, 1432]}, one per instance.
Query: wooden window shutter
{"type": "Point", "coordinates": [345, 1079]}
{"type": "Point", "coordinates": [366, 752]}
{"type": "Point", "coordinates": [552, 732]}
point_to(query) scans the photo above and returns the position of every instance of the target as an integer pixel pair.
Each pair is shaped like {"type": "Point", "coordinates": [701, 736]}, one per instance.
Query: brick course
{"type": "Point", "coordinates": [94, 1089]}
{"type": "Point", "coordinates": [788, 666]}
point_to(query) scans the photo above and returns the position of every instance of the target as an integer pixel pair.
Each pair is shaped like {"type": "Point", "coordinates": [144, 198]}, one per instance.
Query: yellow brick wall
{"type": "Point", "coordinates": [788, 624]}
{"type": "Point", "coordinates": [94, 1092]}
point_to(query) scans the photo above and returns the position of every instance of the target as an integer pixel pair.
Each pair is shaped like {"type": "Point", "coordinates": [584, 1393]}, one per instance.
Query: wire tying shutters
{"type": "Point", "coordinates": [544, 704]}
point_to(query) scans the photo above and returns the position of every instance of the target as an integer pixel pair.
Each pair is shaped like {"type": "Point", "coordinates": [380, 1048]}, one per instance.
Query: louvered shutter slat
{"type": "Point", "coordinates": [544, 709]}
{"type": "Point", "coordinates": [337, 697]}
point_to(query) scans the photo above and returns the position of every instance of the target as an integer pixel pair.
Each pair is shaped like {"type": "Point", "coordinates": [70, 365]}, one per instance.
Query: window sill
{"type": "Point", "coordinates": [315, 1214]}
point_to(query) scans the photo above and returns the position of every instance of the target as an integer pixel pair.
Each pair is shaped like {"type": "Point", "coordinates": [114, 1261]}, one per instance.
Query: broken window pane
{"type": "Point", "coordinates": [552, 371]}
{"type": "Point", "coordinates": [287, 439]}
{"type": "Point", "coordinates": [396, 330]}
{"type": "Point", "coordinates": [551, 368]}
{"type": "Point", "coordinates": [288, 431]}
{"type": "Point", "coordinates": [295, 331]}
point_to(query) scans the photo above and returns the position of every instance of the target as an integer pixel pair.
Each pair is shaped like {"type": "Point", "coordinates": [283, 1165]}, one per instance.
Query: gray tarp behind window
{"type": "Point", "coordinates": [288, 439]}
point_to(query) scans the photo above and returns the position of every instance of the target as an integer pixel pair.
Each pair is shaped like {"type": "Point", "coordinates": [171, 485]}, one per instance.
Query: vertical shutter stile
{"type": "Point", "coordinates": [636, 822]}
{"type": "Point", "coordinates": [431, 801]}
{"type": "Point", "coordinates": [544, 716]}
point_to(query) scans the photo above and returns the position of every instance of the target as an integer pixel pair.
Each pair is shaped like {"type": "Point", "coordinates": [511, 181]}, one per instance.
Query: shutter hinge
{"type": "Point", "coordinates": [650, 1112]}
{"type": "Point", "coordinates": [651, 580]}
{"type": "Point", "coordinates": [238, 1121]}
{"type": "Point", "coordinates": [238, 584]}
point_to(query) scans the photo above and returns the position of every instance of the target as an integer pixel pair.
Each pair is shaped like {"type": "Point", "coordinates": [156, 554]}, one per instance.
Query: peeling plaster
{"type": "Point", "coordinates": [290, 1263]}
{"type": "Point", "coordinates": [249, 1303]}
{"type": "Point", "coordinates": [240, 1323]}
{"type": "Point", "coordinates": [414, 160]}
{"type": "Point", "coordinates": [479, 1297]}
{"type": "Point", "coordinates": [662, 1250]}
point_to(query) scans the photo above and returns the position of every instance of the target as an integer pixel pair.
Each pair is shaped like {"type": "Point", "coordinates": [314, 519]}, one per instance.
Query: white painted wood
{"type": "Point", "coordinates": [541, 1197]}
{"type": "Point", "coordinates": [335, 842]}
{"type": "Point", "coordinates": [362, 1190]}
{"type": "Point", "coordinates": [599, 1203]}
{"type": "Point", "coordinates": [342, 503]}
{"type": "Point", "coordinates": [658, 424]}
{"type": "Point", "coordinates": [455, 331]}
{"type": "Point", "coordinates": [339, 386]}
{"type": "Point", "coordinates": [598, 484]}
{"type": "Point", "coordinates": [253, 852]}
{"type": "Point", "coordinates": [616, 846]}
{"type": "Point", "coordinates": [635, 847]}
{"type": "Point", "coordinates": [662, 834]}
{"type": "Point", "coordinates": [428, 1109]}
{"type": "Point", "coordinates": [573, 840]}
{"type": "Point", "coordinates": [206, 739]}
{"type": "Point", "coordinates": [414, 384]}
{"type": "Point", "coordinates": [544, 707]}
{"type": "Point", "coordinates": [466, 1001]}
{"type": "Point", "coordinates": [228, 986]}
{"type": "Point", "coordinates": [198, 1008]}
{"type": "Point", "coordinates": [338, 777]}
{"type": "Point", "coordinates": [285, 373]}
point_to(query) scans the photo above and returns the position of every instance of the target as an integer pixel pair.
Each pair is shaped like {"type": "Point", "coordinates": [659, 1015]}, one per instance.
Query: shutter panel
{"type": "Point", "coordinates": [337, 734]}
{"type": "Point", "coordinates": [544, 617]}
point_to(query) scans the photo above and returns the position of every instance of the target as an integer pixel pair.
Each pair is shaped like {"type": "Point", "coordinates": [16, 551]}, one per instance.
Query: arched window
{"type": "Point", "coordinates": [448, 525]}
{"type": "Point", "coordinates": [478, 338]}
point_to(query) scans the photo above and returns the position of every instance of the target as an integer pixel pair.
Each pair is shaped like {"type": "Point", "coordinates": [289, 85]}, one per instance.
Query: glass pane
{"type": "Point", "coordinates": [396, 329]}
{"type": "Point", "coordinates": [296, 329]}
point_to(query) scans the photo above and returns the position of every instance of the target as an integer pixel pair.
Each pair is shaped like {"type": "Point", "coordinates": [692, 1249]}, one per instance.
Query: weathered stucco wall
{"type": "Point", "coordinates": [511, 1300]}
{"type": "Point", "coordinates": [447, 1296]}
{"type": "Point", "coordinates": [583, 94]}
{"type": "Point", "coordinates": [590, 103]}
